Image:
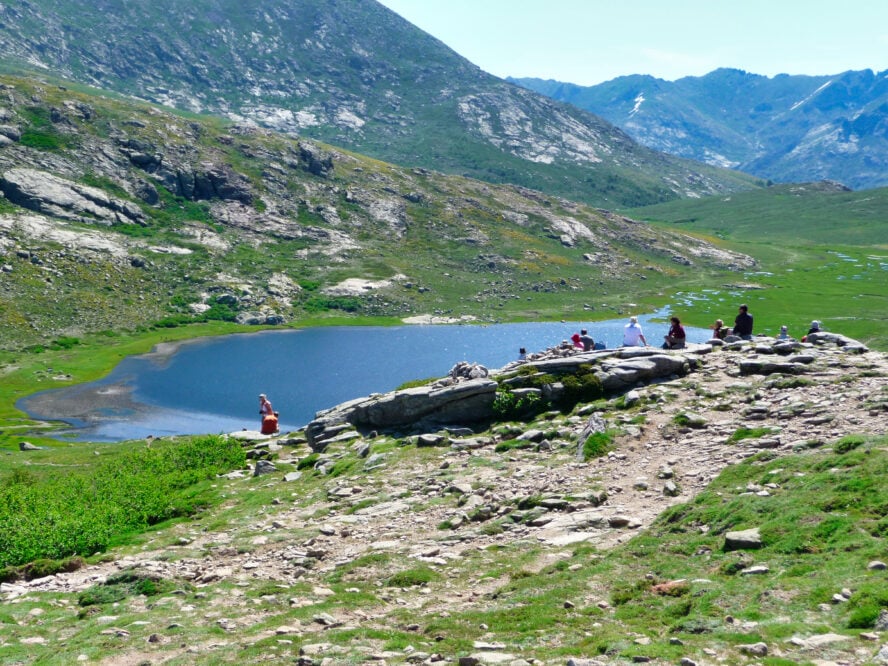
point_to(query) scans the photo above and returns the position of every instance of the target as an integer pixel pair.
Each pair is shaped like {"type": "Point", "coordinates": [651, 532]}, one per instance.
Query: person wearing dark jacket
{"type": "Point", "coordinates": [743, 323]}
{"type": "Point", "coordinates": [675, 338]}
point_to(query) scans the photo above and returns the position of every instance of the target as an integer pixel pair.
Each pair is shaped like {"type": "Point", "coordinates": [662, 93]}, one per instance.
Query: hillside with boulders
{"type": "Point", "coordinates": [718, 504]}
{"type": "Point", "coordinates": [118, 215]}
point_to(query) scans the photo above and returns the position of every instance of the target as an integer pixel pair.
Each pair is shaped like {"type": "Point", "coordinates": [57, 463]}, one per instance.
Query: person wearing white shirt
{"type": "Point", "coordinates": [632, 333]}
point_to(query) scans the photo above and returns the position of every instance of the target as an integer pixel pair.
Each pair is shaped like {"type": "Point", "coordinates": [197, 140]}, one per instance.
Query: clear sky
{"type": "Point", "coordinates": [591, 41]}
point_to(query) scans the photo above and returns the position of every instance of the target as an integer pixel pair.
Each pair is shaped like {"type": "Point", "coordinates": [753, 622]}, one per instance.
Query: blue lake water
{"type": "Point", "coordinates": [211, 385]}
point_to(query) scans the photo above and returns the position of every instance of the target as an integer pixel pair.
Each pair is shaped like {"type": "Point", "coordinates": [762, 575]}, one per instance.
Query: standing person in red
{"type": "Point", "coordinates": [265, 408]}
{"type": "Point", "coordinates": [675, 338]}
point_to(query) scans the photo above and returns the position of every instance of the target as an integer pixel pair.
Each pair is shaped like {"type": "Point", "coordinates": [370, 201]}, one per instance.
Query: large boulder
{"type": "Point", "coordinates": [463, 402]}
{"type": "Point", "coordinates": [619, 375]}
{"type": "Point", "coordinates": [56, 197]}
{"type": "Point", "coordinates": [848, 344]}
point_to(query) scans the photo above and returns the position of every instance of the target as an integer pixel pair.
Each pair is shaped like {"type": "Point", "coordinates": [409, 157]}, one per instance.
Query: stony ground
{"type": "Point", "coordinates": [381, 508]}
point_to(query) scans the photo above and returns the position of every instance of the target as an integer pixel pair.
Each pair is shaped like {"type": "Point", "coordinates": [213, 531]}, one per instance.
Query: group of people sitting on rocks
{"type": "Point", "coordinates": [676, 338]}
{"type": "Point", "coordinates": [742, 329]}
{"type": "Point", "coordinates": [584, 341]}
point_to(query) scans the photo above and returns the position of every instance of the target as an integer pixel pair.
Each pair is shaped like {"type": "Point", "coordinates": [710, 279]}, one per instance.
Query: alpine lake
{"type": "Point", "coordinates": [211, 385]}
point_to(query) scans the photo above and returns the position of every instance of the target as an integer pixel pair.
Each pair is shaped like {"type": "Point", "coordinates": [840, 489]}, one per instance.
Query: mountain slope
{"type": "Point", "coordinates": [785, 128]}
{"type": "Point", "coordinates": [120, 215]}
{"type": "Point", "coordinates": [354, 74]}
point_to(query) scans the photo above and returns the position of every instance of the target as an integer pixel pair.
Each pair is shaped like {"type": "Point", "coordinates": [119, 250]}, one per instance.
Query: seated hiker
{"type": "Point", "coordinates": [586, 339]}
{"type": "Point", "coordinates": [675, 338]}
{"type": "Point", "coordinates": [743, 323]}
{"type": "Point", "coordinates": [719, 330]}
{"type": "Point", "coordinates": [268, 417]}
{"type": "Point", "coordinates": [815, 328]}
{"type": "Point", "coordinates": [265, 407]}
{"type": "Point", "coordinates": [575, 339]}
{"type": "Point", "coordinates": [632, 333]}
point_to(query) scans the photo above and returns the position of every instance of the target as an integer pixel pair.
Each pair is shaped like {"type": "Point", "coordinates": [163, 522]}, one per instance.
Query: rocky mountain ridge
{"type": "Point", "coordinates": [531, 480]}
{"type": "Point", "coordinates": [784, 128]}
{"type": "Point", "coordinates": [353, 74]}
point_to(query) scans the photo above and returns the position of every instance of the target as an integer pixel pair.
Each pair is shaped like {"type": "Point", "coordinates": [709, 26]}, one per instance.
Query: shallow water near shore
{"type": "Point", "coordinates": [211, 385]}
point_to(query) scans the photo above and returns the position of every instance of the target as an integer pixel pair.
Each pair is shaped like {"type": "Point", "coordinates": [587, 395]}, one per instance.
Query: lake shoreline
{"type": "Point", "coordinates": [307, 370]}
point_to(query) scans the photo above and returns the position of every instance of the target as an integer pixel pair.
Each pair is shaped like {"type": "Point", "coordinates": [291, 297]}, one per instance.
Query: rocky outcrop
{"type": "Point", "coordinates": [208, 182]}
{"type": "Point", "coordinates": [850, 345]}
{"type": "Point", "coordinates": [315, 160]}
{"type": "Point", "coordinates": [468, 401]}
{"type": "Point", "coordinates": [466, 396]}
{"type": "Point", "coordinates": [56, 197]}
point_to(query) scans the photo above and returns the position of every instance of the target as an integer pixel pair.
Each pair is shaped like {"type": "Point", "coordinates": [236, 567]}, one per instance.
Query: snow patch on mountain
{"type": "Point", "coordinates": [638, 102]}
{"type": "Point", "coordinates": [811, 96]}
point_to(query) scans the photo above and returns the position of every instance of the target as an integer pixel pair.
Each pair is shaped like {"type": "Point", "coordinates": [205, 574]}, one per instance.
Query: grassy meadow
{"type": "Point", "coordinates": [822, 253]}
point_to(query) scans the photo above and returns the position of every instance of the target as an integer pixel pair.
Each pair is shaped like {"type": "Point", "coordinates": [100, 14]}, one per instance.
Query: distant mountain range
{"type": "Point", "coordinates": [785, 128]}
{"type": "Point", "coordinates": [352, 73]}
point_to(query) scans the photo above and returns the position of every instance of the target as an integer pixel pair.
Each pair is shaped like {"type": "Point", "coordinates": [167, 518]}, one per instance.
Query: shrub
{"type": "Point", "coordinates": [848, 443]}
{"type": "Point", "coordinates": [582, 387]}
{"type": "Point", "coordinates": [864, 616]}
{"type": "Point", "coordinates": [344, 303]}
{"type": "Point", "coordinates": [65, 343]}
{"type": "Point", "coordinates": [125, 584]}
{"type": "Point", "coordinates": [598, 444]}
{"type": "Point", "coordinates": [748, 433]}
{"type": "Point", "coordinates": [308, 461]}
{"type": "Point", "coordinates": [509, 406]}
{"type": "Point", "coordinates": [42, 140]}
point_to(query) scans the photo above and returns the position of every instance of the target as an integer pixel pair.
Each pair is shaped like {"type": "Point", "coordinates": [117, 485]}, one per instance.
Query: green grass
{"type": "Point", "coordinates": [822, 255]}
{"type": "Point", "coordinates": [87, 509]}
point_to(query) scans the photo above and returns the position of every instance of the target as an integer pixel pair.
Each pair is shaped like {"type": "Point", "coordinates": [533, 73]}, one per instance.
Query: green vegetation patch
{"type": "Point", "coordinates": [83, 511]}
{"type": "Point", "coordinates": [598, 444]}
{"type": "Point", "coordinates": [125, 584]}
{"type": "Point", "coordinates": [749, 433]}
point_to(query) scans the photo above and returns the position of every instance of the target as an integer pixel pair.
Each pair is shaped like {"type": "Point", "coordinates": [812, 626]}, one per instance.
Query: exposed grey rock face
{"type": "Point", "coordinates": [838, 339]}
{"type": "Point", "coordinates": [48, 194]}
{"type": "Point", "coordinates": [264, 467]}
{"type": "Point", "coordinates": [467, 396]}
{"type": "Point", "coordinates": [743, 540]}
{"type": "Point", "coordinates": [464, 402]}
{"type": "Point", "coordinates": [627, 373]}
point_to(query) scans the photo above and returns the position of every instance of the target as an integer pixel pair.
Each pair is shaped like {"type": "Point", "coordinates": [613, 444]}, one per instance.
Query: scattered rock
{"type": "Point", "coordinates": [743, 540]}
{"type": "Point", "coordinates": [754, 650]}
{"type": "Point", "coordinates": [264, 467]}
